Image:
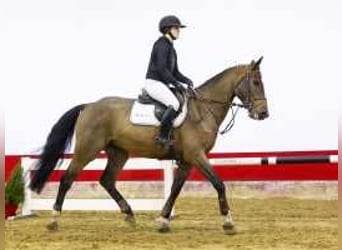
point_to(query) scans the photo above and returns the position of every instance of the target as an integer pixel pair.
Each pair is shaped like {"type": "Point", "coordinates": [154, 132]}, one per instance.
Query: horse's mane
{"type": "Point", "coordinates": [217, 77]}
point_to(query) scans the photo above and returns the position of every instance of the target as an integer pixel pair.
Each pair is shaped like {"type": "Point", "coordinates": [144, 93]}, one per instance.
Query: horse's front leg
{"type": "Point", "coordinates": [181, 173]}
{"type": "Point", "coordinates": [205, 167]}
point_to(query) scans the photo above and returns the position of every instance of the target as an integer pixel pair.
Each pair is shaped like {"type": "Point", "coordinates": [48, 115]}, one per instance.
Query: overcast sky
{"type": "Point", "coordinates": [57, 54]}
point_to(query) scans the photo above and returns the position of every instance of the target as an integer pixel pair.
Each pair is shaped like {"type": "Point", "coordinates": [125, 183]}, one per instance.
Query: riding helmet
{"type": "Point", "coordinates": [169, 21]}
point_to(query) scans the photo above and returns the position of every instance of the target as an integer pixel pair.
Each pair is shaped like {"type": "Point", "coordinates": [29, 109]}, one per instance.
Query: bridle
{"type": "Point", "coordinates": [198, 95]}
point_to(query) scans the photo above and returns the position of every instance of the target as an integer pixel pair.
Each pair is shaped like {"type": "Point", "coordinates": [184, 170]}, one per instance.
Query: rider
{"type": "Point", "coordinates": [163, 73]}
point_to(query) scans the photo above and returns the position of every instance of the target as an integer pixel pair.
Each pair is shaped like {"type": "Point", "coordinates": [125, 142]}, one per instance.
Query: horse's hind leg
{"type": "Point", "coordinates": [79, 161]}
{"type": "Point", "coordinates": [116, 160]}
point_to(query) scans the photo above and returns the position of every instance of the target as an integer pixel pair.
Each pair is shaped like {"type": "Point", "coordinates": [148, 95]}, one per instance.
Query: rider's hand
{"type": "Point", "coordinates": [179, 86]}
{"type": "Point", "coordinates": [190, 84]}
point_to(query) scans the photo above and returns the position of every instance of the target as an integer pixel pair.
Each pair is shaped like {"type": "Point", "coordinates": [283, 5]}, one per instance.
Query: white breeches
{"type": "Point", "coordinates": [161, 93]}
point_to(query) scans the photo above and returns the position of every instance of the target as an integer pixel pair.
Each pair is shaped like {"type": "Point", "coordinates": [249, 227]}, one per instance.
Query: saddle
{"type": "Point", "coordinates": [145, 98]}
{"type": "Point", "coordinates": [149, 112]}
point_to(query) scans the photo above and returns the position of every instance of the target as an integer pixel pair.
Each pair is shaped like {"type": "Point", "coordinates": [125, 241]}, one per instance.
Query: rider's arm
{"type": "Point", "coordinates": [180, 77]}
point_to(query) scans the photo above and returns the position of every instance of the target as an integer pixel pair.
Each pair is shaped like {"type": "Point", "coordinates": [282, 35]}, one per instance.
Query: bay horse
{"type": "Point", "coordinates": [104, 125]}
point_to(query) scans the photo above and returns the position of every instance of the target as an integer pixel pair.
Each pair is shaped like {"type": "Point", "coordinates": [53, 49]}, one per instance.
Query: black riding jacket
{"type": "Point", "coordinates": [163, 63]}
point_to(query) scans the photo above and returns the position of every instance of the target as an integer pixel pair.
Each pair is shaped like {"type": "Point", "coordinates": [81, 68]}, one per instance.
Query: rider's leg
{"type": "Point", "coordinates": [166, 125]}
{"type": "Point", "coordinates": [160, 92]}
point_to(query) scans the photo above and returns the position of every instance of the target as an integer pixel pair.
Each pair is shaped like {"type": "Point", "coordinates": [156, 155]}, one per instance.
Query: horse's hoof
{"type": "Point", "coordinates": [53, 226]}
{"type": "Point", "coordinates": [130, 219]}
{"type": "Point", "coordinates": [163, 225]}
{"type": "Point", "coordinates": [164, 228]}
{"type": "Point", "coordinates": [229, 228]}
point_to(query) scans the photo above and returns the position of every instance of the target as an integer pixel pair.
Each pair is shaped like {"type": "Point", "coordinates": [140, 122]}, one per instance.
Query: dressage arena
{"type": "Point", "coordinates": [279, 201]}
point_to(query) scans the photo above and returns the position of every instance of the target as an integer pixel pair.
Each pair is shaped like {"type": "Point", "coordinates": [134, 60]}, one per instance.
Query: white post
{"type": "Point", "coordinates": [168, 179]}
{"type": "Point", "coordinates": [26, 165]}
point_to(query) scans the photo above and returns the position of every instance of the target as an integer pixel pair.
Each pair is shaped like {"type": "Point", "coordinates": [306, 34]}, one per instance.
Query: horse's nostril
{"type": "Point", "coordinates": [264, 114]}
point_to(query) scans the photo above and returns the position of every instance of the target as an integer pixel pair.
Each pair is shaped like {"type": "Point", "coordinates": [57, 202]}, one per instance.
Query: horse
{"type": "Point", "coordinates": [104, 125]}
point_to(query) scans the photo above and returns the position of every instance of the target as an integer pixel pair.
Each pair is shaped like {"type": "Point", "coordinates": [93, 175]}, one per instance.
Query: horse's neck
{"type": "Point", "coordinates": [221, 89]}
{"type": "Point", "coordinates": [223, 84]}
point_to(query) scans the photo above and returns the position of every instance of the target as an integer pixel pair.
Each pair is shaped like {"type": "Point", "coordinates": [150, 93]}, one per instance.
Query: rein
{"type": "Point", "coordinates": [229, 126]}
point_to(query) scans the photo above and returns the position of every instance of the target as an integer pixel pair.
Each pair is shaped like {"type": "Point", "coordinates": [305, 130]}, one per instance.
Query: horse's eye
{"type": "Point", "coordinates": [256, 83]}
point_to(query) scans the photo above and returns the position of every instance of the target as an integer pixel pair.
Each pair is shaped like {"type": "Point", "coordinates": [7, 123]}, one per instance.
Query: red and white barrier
{"type": "Point", "coordinates": [270, 166]}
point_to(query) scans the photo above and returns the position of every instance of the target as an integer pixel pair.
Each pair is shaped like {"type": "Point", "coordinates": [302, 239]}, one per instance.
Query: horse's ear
{"type": "Point", "coordinates": [255, 65]}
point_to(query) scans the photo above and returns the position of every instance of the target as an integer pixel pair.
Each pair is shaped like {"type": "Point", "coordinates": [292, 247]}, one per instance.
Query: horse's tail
{"type": "Point", "coordinates": [58, 140]}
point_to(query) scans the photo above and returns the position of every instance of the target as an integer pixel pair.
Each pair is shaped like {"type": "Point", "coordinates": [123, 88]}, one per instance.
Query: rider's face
{"type": "Point", "coordinates": [175, 32]}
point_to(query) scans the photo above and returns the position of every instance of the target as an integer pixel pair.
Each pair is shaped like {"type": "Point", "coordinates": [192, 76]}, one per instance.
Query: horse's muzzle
{"type": "Point", "coordinates": [263, 115]}
{"type": "Point", "coordinates": [259, 116]}
{"type": "Point", "coordinates": [259, 110]}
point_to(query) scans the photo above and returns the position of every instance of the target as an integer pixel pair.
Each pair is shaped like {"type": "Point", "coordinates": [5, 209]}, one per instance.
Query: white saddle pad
{"type": "Point", "coordinates": [143, 114]}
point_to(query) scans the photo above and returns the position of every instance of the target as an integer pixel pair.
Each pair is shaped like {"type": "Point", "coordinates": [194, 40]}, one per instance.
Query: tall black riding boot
{"type": "Point", "coordinates": [166, 125]}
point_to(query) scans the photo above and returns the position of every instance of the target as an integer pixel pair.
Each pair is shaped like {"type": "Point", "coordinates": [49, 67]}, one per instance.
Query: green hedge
{"type": "Point", "coordinates": [15, 187]}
